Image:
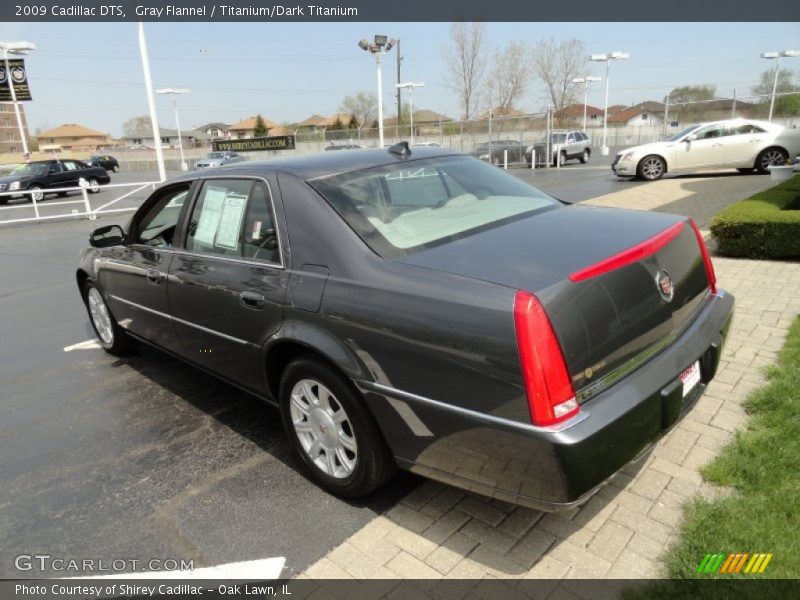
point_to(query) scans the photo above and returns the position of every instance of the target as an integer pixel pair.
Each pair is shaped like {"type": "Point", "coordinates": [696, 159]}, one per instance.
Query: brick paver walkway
{"type": "Point", "coordinates": [438, 531]}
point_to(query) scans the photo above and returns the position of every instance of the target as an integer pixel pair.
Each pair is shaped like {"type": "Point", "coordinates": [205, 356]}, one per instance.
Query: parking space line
{"type": "Point", "coordinates": [87, 345]}
{"type": "Point", "coordinates": [261, 569]}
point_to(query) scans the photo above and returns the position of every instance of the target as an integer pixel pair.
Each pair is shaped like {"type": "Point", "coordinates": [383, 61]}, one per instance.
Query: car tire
{"type": "Point", "coordinates": [111, 337]}
{"type": "Point", "coordinates": [560, 160]}
{"type": "Point", "coordinates": [332, 429]}
{"type": "Point", "coordinates": [585, 156]}
{"type": "Point", "coordinates": [94, 185]}
{"type": "Point", "coordinates": [115, 168]}
{"type": "Point", "coordinates": [770, 156]}
{"type": "Point", "coordinates": [36, 193]}
{"type": "Point", "coordinates": [651, 167]}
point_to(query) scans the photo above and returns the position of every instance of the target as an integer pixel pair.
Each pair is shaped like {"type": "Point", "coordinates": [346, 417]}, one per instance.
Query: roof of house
{"type": "Point", "coordinates": [148, 134]}
{"type": "Point", "coordinates": [421, 116]}
{"type": "Point", "coordinates": [250, 123]}
{"type": "Point", "coordinates": [343, 118]}
{"type": "Point", "coordinates": [71, 130]}
{"type": "Point", "coordinates": [281, 131]}
{"type": "Point", "coordinates": [500, 111]}
{"type": "Point", "coordinates": [626, 114]}
{"type": "Point", "coordinates": [312, 121]}
{"type": "Point", "coordinates": [614, 108]}
{"type": "Point", "coordinates": [576, 110]}
{"type": "Point", "coordinates": [223, 126]}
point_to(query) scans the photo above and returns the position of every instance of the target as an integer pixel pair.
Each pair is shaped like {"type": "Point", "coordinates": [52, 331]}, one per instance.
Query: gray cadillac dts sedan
{"type": "Point", "coordinates": [418, 308]}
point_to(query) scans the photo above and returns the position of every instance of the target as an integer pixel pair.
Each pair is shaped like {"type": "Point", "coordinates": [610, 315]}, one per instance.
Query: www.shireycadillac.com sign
{"type": "Point", "coordinates": [258, 144]}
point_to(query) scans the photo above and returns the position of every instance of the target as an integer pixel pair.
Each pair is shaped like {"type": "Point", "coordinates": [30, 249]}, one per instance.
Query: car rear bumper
{"type": "Point", "coordinates": [553, 468]}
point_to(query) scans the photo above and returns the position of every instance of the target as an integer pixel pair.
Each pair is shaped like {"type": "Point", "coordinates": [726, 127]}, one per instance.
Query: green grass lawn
{"type": "Point", "coordinates": [763, 514]}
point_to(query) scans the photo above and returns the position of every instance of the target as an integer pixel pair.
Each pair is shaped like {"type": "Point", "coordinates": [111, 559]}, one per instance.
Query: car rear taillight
{"type": "Point", "coordinates": [631, 255]}
{"type": "Point", "coordinates": [547, 383]}
{"type": "Point", "coordinates": [710, 275]}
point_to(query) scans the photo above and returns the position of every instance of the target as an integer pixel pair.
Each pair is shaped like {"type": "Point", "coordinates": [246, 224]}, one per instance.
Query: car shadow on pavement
{"type": "Point", "coordinates": [244, 415]}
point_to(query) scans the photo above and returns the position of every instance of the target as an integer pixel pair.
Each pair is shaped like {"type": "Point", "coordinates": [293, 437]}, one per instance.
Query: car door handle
{"type": "Point", "coordinates": [252, 300]}
{"type": "Point", "coordinates": [153, 277]}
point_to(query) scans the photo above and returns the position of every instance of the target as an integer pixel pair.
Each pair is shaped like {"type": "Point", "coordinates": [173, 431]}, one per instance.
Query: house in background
{"type": "Point", "coordinates": [500, 112]}
{"type": "Point", "coordinates": [246, 127]}
{"type": "Point", "coordinates": [74, 137]}
{"type": "Point", "coordinates": [169, 137]}
{"type": "Point", "coordinates": [426, 122]}
{"type": "Point", "coordinates": [214, 130]}
{"type": "Point", "coordinates": [640, 115]}
{"type": "Point", "coordinates": [572, 114]}
{"type": "Point", "coordinates": [313, 124]}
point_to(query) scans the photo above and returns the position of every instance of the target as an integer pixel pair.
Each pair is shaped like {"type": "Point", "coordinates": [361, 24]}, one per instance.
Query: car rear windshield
{"type": "Point", "coordinates": [408, 206]}
{"type": "Point", "coordinates": [216, 155]}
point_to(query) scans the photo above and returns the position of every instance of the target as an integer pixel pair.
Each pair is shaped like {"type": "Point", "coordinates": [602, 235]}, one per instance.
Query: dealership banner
{"type": "Point", "coordinates": [16, 72]}
{"type": "Point", "coordinates": [407, 10]}
{"type": "Point", "coordinates": [256, 144]}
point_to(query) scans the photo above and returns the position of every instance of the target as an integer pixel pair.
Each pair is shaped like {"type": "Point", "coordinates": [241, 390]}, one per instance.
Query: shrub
{"type": "Point", "coordinates": [765, 225]}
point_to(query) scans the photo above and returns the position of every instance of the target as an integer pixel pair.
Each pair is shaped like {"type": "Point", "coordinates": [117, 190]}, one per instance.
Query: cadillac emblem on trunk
{"type": "Point", "coordinates": [664, 285]}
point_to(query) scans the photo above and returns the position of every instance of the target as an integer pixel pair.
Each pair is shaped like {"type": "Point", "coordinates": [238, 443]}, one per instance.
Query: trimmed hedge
{"type": "Point", "coordinates": [763, 225]}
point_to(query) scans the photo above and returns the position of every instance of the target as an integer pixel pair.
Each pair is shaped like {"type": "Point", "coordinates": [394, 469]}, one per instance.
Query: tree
{"type": "Point", "coordinates": [786, 105]}
{"type": "Point", "coordinates": [511, 74]}
{"type": "Point", "coordinates": [557, 64]}
{"type": "Point", "coordinates": [260, 128]}
{"type": "Point", "coordinates": [362, 105]}
{"type": "Point", "coordinates": [136, 126]}
{"type": "Point", "coordinates": [691, 93]}
{"type": "Point", "coordinates": [353, 124]}
{"type": "Point", "coordinates": [465, 57]}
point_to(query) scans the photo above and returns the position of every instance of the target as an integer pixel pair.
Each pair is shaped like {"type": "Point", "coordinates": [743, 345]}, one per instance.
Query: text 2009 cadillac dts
{"type": "Point", "coordinates": [424, 311]}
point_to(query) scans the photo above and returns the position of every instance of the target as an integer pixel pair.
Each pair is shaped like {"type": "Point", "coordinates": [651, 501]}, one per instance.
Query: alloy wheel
{"type": "Point", "coordinates": [652, 168]}
{"type": "Point", "coordinates": [100, 316]}
{"type": "Point", "coordinates": [36, 193]}
{"type": "Point", "coordinates": [772, 157]}
{"type": "Point", "coordinates": [323, 428]}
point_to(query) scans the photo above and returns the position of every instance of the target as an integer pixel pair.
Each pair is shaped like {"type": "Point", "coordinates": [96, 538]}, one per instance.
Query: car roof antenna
{"type": "Point", "coordinates": [400, 149]}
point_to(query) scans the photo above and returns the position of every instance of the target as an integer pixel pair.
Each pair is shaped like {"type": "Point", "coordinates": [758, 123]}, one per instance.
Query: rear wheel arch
{"type": "Point", "coordinates": [280, 353]}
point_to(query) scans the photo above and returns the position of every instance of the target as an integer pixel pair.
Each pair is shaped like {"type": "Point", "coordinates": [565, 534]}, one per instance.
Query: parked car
{"type": "Point", "coordinates": [36, 177]}
{"type": "Point", "coordinates": [418, 308]}
{"type": "Point", "coordinates": [564, 146]}
{"type": "Point", "coordinates": [744, 144]}
{"type": "Point", "coordinates": [217, 159]}
{"type": "Point", "coordinates": [109, 163]}
{"type": "Point", "coordinates": [334, 147]}
{"type": "Point", "coordinates": [515, 149]}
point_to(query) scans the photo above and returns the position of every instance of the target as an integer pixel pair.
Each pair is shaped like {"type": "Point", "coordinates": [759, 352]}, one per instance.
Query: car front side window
{"type": "Point", "coordinates": [217, 217]}
{"type": "Point", "coordinates": [157, 227]}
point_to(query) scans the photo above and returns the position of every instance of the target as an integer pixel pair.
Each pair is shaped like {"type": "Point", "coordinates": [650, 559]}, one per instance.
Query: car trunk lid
{"type": "Point", "coordinates": [602, 277]}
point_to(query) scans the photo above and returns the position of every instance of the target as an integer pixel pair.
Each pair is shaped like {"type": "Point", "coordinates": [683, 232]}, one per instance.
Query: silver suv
{"type": "Point", "coordinates": [564, 146]}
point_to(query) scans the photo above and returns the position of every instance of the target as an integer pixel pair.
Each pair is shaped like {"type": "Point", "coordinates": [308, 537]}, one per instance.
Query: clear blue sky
{"type": "Point", "coordinates": [91, 73]}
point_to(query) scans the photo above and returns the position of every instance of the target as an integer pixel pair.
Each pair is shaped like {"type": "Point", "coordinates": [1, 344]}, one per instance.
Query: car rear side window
{"type": "Point", "coordinates": [233, 217]}
{"type": "Point", "coordinates": [407, 206]}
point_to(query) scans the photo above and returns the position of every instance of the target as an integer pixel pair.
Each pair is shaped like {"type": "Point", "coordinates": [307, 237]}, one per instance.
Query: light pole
{"type": "Point", "coordinates": [175, 92]}
{"type": "Point", "coordinates": [586, 81]}
{"type": "Point", "coordinates": [381, 45]}
{"type": "Point", "coordinates": [151, 102]}
{"type": "Point", "coordinates": [17, 49]}
{"type": "Point", "coordinates": [777, 56]}
{"type": "Point", "coordinates": [410, 85]}
{"type": "Point", "coordinates": [607, 58]}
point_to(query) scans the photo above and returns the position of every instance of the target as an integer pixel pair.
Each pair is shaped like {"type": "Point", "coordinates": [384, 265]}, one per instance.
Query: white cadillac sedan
{"type": "Point", "coordinates": [742, 144]}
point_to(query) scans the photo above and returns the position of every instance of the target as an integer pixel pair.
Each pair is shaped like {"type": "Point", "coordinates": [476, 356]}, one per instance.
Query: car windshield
{"type": "Point", "coordinates": [401, 208]}
{"type": "Point", "coordinates": [29, 170]}
{"type": "Point", "coordinates": [678, 136]}
{"type": "Point", "coordinates": [216, 155]}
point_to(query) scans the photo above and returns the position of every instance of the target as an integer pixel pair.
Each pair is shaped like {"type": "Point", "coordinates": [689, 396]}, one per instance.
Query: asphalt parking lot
{"type": "Point", "coordinates": [147, 457]}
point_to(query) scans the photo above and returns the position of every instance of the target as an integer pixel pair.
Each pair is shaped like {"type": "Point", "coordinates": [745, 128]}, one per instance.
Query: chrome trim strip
{"type": "Point", "coordinates": [385, 389]}
{"type": "Point", "coordinates": [183, 322]}
{"type": "Point", "coordinates": [256, 263]}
